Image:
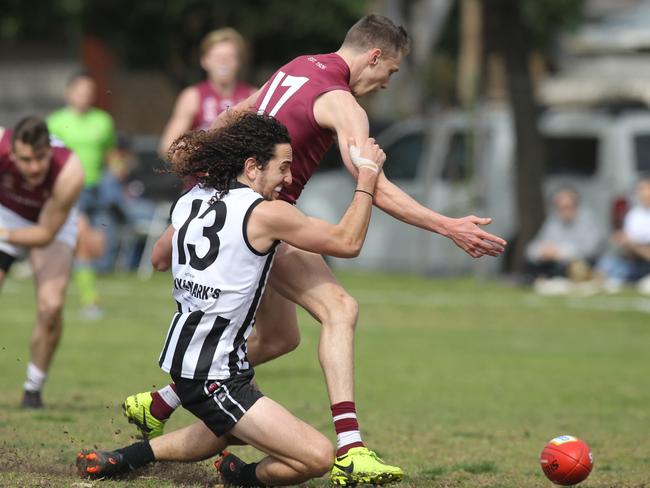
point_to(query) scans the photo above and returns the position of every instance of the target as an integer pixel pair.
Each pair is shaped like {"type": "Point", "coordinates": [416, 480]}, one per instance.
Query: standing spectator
{"type": "Point", "coordinates": [39, 186]}
{"type": "Point", "coordinates": [90, 133]}
{"type": "Point", "coordinates": [223, 53]}
{"type": "Point", "coordinates": [629, 257]}
{"type": "Point", "coordinates": [569, 239]}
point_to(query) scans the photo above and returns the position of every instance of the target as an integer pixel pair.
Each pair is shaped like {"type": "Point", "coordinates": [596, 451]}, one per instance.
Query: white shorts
{"type": "Point", "coordinates": [10, 220]}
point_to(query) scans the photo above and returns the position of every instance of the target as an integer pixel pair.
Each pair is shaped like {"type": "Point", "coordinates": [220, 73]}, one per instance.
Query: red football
{"type": "Point", "coordinates": [566, 460]}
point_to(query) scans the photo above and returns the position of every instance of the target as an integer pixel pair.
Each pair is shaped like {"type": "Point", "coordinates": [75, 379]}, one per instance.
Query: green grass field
{"type": "Point", "coordinates": [460, 382]}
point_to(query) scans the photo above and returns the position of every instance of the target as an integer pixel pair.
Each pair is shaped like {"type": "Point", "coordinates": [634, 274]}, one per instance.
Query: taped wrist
{"type": "Point", "coordinates": [360, 162]}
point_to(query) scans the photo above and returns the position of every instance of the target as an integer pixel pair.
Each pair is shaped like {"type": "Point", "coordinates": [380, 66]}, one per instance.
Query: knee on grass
{"type": "Point", "coordinates": [318, 460]}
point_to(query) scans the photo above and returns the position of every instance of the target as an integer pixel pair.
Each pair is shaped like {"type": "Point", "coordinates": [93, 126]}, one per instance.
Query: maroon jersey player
{"type": "Point", "coordinates": [40, 183]}
{"type": "Point", "coordinates": [315, 97]}
{"type": "Point", "coordinates": [197, 107]}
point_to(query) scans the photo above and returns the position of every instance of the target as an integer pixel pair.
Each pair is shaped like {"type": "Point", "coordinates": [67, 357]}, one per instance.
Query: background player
{"type": "Point", "coordinates": [219, 275]}
{"type": "Point", "coordinates": [223, 53]}
{"type": "Point", "coordinates": [39, 187]}
{"type": "Point", "coordinates": [315, 97]}
{"type": "Point", "coordinates": [90, 133]}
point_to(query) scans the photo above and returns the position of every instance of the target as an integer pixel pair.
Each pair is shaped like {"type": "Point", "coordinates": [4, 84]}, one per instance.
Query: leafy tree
{"type": "Point", "coordinates": [166, 35]}
{"type": "Point", "coordinates": [517, 28]}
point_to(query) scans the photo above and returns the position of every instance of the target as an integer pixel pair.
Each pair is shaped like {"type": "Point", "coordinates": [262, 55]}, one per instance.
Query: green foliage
{"type": "Point", "coordinates": [154, 34]}
{"type": "Point", "coordinates": [548, 18]}
{"type": "Point", "coordinates": [460, 382]}
{"type": "Point", "coordinates": [167, 35]}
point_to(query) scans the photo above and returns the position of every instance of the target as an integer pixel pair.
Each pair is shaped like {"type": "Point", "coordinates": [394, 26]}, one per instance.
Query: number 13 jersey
{"type": "Point", "coordinates": [289, 96]}
{"type": "Point", "coordinates": [218, 282]}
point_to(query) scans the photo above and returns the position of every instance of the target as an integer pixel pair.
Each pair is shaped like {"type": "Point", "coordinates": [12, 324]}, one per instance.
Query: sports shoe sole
{"type": "Point", "coordinates": [88, 464]}
{"type": "Point", "coordinates": [367, 479]}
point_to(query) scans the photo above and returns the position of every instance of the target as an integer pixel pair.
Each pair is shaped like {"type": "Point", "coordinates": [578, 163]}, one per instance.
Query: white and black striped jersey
{"type": "Point", "coordinates": [218, 282]}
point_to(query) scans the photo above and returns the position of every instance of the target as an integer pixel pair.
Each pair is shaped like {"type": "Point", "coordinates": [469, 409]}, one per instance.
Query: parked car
{"type": "Point", "coordinates": [459, 164]}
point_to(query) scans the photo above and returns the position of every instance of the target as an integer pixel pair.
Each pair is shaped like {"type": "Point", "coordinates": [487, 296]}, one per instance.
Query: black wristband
{"type": "Point", "coordinates": [366, 192]}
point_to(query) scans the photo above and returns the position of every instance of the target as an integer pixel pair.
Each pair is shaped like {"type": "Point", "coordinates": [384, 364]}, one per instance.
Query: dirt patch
{"type": "Point", "coordinates": [53, 475]}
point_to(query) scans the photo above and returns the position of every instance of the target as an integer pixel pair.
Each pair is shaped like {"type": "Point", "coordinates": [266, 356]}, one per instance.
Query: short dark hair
{"type": "Point", "coordinates": [378, 31]}
{"type": "Point", "coordinates": [31, 131]}
{"type": "Point", "coordinates": [78, 75]}
{"type": "Point", "coordinates": [216, 157]}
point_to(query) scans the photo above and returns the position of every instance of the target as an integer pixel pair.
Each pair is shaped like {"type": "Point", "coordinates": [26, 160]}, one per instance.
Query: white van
{"type": "Point", "coordinates": [599, 153]}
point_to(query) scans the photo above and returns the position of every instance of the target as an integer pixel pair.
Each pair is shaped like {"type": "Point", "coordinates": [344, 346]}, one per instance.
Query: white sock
{"type": "Point", "coordinates": [35, 378]}
{"type": "Point", "coordinates": [170, 397]}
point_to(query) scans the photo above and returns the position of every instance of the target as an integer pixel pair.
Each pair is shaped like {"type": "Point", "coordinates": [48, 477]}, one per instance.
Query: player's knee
{"type": "Point", "coordinates": [347, 309]}
{"type": "Point", "coordinates": [321, 459]}
{"type": "Point", "coordinates": [49, 311]}
{"type": "Point", "coordinates": [290, 341]}
{"type": "Point", "coordinates": [280, 344]}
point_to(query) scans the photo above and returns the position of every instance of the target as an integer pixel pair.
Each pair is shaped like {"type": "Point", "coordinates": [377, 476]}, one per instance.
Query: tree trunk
{"type": "Point", "coordinates": [511, 37]}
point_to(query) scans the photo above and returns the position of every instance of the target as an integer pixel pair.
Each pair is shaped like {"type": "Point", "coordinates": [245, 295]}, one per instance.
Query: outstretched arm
{"type": "Point", "coordinates": [339, 111]}
{"type": "Point", "coordinates": [186, 107]}
{"type": "Point", "coordinates": [278, 220]}
{"type": "Point", "coordinates": [55, 211]}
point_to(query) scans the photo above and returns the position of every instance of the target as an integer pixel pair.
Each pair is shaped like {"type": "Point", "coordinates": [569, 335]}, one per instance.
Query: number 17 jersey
{"type": "Point", "coordinates": [218, 282]}
{"type": "Point", "coordinates": [289, 96]}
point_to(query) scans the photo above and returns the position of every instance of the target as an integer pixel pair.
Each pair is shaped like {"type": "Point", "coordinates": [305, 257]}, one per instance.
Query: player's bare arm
{"type": "Point", "coordinates": [186, 107]}
{"type": "Point", "coordinates": [161, 255]}
{"type": "Point", "coordinates": [339, 111]}
{"type": "Point", "coordinates": [278, 220]}
{"type": "Point", "coordinates": [56, 209]}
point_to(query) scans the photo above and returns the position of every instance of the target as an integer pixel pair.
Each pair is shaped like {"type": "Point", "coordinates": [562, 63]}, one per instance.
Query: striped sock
{"type": "Point", "coordinates": [164, 402]}
{"type": "Point", "coordinates": [348, 436]}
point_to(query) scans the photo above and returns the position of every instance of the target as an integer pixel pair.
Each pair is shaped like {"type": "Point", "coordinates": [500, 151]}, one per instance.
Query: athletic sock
{"type": "Point", "coordinates": [35, 378]}
{"type": "Point", "coordinates": [247, 476]}
{"type": "Point", "coordinates": [137, 455]}
{"type": "Point", "coordinates": [84, 278]}
{"type": "Point", "coordinates": [236, 472]}
{"type": "Point", "coordinates": [348, 435]}
{"type": "Point", "coordinates": [164, 402]}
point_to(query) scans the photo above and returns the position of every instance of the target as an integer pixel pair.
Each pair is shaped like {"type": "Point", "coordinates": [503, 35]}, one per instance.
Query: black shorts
{"type": "Point", "coordinates": [218, 403]}
{"type": "Point", "coordinates": [6, 260]}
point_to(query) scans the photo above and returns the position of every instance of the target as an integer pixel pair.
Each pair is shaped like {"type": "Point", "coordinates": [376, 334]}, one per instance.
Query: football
{"type": "Point", "coordinates": [566, 460]}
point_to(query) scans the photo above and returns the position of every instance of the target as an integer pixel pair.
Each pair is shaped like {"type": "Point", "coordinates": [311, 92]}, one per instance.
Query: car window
{"type": "Point", "coordinates": [642, 150]}
{"type": "Point", "coordinates": [573, 155]}
{"type": "Point", "coordinates": [403, 156]}
{"type": "Point", "coordinates": [458, 164]}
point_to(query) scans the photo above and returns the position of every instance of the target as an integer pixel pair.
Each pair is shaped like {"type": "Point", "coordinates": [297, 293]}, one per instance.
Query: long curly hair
{"type": "Point", "coordinates": [216, 157]}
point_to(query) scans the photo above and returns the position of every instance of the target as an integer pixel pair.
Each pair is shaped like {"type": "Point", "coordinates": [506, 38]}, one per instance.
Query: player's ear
{"type": "Point", "coordinates": [374, 55]}
{"type": "Point", "coordinates": [250, 168]}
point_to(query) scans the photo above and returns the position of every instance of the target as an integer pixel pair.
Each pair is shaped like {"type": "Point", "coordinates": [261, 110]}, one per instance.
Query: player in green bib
{"type": "Point", "coordinates": [90, 133]}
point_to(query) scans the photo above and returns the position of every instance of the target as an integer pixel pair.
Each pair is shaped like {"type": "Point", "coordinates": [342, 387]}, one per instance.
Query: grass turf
{"type": "Point", "coordinates": [460, 382]}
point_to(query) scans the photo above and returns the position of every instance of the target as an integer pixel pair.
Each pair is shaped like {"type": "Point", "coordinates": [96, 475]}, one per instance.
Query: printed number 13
{"type": "Point", "coordinates": [293, 82]}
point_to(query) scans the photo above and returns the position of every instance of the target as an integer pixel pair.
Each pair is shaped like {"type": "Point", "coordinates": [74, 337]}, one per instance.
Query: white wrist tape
{"type": "Point", "coordinates": [359, 162]}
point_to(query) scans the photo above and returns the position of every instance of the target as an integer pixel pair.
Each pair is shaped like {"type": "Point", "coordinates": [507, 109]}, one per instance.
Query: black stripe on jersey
{"type": "Point", "coordinates": [169, 337]}
{"type": "Point", "coordinates": [245, 234]}
{"type": "Point", "coordinates": [206, 356]}
{"type": "Point", "coordinates": [171, 210]}
{"type": "Point", "coordinates": [239, 341]}
{"type": "Point", "coordinates": [184, 339]}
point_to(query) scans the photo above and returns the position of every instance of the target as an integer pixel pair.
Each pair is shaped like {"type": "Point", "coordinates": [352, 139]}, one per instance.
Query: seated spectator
{"type": "Point", "coordinates": [568, 242]}
{"type": "Point", "coordinates": [628, 259]}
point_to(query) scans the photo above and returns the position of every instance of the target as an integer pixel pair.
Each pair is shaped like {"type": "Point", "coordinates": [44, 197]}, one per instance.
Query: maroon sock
{"type": "Point", "coordinates": [159, 407]}
{"type": "Point", "coordinates": [346, 426]}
